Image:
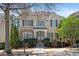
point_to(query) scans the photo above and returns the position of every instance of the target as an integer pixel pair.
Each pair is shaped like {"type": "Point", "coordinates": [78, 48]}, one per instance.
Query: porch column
{"type": "Point", "coordinates": [45, 34]}
{"type": "Point", "coordinates": [34, 34]}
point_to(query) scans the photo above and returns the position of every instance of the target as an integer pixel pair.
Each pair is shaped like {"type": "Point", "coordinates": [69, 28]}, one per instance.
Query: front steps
{"type": "Point", "coordinates": [40, 45]}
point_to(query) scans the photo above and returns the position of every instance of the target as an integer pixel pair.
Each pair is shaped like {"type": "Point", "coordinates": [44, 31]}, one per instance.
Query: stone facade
{"type": "Point", "coordinates": [39, 27]}
{"type": "Point", "coordinates": [43, 25]}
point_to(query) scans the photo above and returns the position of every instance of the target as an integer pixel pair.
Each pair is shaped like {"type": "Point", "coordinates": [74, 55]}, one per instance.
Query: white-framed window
{"type": "Point", "coordinates": [53, 23]}
{"type": "Point", "coordinates": [27, 22]}
{"type": "Point", "coordinates": [27, 35]}
{"type": "Point", "coordinates": [40, 23]}
{"type": "Point", "coordinates": [50, 35]}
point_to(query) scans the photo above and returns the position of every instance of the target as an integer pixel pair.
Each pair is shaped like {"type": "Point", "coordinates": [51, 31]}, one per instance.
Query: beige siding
{"type": "Point", "coordinates": [2, 34]}
{"type": "Point", "coordinates": [2, 29]}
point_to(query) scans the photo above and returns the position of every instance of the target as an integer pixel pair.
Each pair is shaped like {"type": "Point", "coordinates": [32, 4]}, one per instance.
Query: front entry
{"type": "Point", "coordinates": [40, 36]}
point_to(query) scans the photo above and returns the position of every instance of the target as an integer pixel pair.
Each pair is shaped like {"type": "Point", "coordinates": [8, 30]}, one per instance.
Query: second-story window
{"type": "Point", "coordinates": [53, 23]}
{"type": "Point", "coordinates": [40, 23]}
{"type": "Point", "coordinates": [27, 22]}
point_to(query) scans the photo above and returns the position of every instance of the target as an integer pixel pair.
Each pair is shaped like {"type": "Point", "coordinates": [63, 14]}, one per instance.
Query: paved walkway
{"type": "Point", "coordinates": [40, 45]}
{"type": "Point", "coordinates": [39, 50]}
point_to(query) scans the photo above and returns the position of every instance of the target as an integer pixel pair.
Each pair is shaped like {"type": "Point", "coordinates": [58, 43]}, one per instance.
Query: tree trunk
{"type": "Point", "coordinates": [7, 42]}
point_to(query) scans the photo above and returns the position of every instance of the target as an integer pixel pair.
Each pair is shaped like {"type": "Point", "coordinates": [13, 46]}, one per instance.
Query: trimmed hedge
{"type": "Point", "coordinates": [31, 42]}
{"type": "Point", "coordinates": [2, 46]}
{"type": "Point", "coordinates": [46, 42]}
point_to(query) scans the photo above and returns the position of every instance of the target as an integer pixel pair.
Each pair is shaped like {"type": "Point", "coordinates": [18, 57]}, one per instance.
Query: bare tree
{"type": "Point", "coordinates": [8, 7]}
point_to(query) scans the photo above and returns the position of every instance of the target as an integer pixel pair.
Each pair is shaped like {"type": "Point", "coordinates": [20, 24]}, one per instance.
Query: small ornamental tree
{"type": "Point", "coordinates": [14, 31]}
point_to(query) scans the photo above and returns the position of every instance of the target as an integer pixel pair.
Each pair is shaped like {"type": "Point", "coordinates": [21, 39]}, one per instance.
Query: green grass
{"type": "Point", "coordinates": [73, 50]}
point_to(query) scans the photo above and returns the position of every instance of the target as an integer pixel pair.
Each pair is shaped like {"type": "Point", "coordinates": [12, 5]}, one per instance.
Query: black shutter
{"type": "Point", "coordinates": [51, 23]}
{"type": "Point", "coordinates": [31, 22]}
{"type": "Point", "coordinates": [56, 23]}
{"type": "Point", "coordinates": [23, 22]}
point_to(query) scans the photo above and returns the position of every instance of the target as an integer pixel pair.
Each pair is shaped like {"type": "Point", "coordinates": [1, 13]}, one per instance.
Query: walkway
{"type": "Point", "coordinates": [39, 50]}
{"type": "Point", "coordinates": [42, 52]}
{"type": "Point", "coordinates": [40, 45]}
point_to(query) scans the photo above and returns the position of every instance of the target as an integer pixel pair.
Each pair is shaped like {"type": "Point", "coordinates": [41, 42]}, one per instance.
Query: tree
{"type": "Point", "coordinates": [69, 29]}
{"type": "Point", "coordinates": [8, 7]}
{"type": "Point", "coordinates": [14, 31]}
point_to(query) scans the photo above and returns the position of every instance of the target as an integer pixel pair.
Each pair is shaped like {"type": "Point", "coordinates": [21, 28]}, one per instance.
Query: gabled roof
{"type": "Point", "coordinates": [54, 16]}
{"type": "Point", "coordinates": [39, 14]}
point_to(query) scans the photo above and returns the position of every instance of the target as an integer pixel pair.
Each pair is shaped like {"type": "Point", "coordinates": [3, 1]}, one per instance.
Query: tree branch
{"type": "Point", "coordinates": [2, 7]}
{"type": "Point", "coordinates": [23, 7]}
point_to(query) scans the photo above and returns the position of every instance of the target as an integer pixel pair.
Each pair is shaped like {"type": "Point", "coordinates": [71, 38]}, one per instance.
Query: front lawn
{"type": "Point", "coordinates": [74, 51]}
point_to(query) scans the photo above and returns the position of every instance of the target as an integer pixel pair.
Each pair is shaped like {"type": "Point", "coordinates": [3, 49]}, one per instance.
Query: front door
{"type": "Point", "coordinates": [40, 36]}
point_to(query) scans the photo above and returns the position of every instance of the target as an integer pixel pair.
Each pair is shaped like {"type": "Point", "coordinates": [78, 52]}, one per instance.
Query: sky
{"type": "Point", "coordinates": [67, 9]}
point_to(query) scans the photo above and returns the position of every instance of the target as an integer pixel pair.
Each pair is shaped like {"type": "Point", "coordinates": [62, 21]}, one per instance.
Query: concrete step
{"type": "Point", "coordinates": [40, 45]}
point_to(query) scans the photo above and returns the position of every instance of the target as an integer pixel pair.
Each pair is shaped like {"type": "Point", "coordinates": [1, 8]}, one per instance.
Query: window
{"type": "Point", "coordinates": [40, 24]}
{"type": "Point", "coordinates": [50, 35]}
{"type": "Point", "coordinates": [27, 22]}
{"type": "Point", "coordinates": [28, 35]}
{"type": "Point", "coordinates": [57, 35]}
{"type": "Point", "coordinates": [53, 23]}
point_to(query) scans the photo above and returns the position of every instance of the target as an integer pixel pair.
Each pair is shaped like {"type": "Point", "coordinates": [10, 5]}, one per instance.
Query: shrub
{"type": "Point", "coordinates": [2, 45]}
{"type": "Point", "coordinates": [19, 44]}
{"type": "Point", "coordinates": [65, 44]}
{"type": "Point", "coordinates": [59, 44]}
{"type": "Point", "coordinates": [31, 42]}
{"type": "Point", "coordinates": [46, 42]}
{"type": "Point", "coordinates": [77, 41]}
{"type": "Point", "coordinates": [54, 43]}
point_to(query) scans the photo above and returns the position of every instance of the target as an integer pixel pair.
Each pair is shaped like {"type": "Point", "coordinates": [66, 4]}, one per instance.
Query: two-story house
{"type": "Point", "coordinates": [38, 24]}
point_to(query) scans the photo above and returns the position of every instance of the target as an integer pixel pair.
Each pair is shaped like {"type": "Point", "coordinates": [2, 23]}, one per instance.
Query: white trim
{"type": "Point", "coordinates": [36, 30]}
{"type": "Point", "coordinates": [26, 33]}
{"type": "Point", "coordinates": [26, 26]}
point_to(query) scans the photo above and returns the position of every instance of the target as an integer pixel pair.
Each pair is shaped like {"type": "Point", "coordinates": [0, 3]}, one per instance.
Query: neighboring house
{"type": "Point", "coordinates": [75, 14]}
{"type": "Point", "coordinates": [2, 28]}
{"type": "Point", "coordinates": [39, 24]}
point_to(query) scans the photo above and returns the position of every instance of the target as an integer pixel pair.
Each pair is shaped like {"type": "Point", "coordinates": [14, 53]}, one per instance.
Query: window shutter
{"type": "Point", "coordinates": [56, 23]}
{"type": "Point", "coordinates": [51, 23]}
{"type": "Point", "coordinates": [31, 22]}
{"type": "Point", "coordinates": [23, 22]}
